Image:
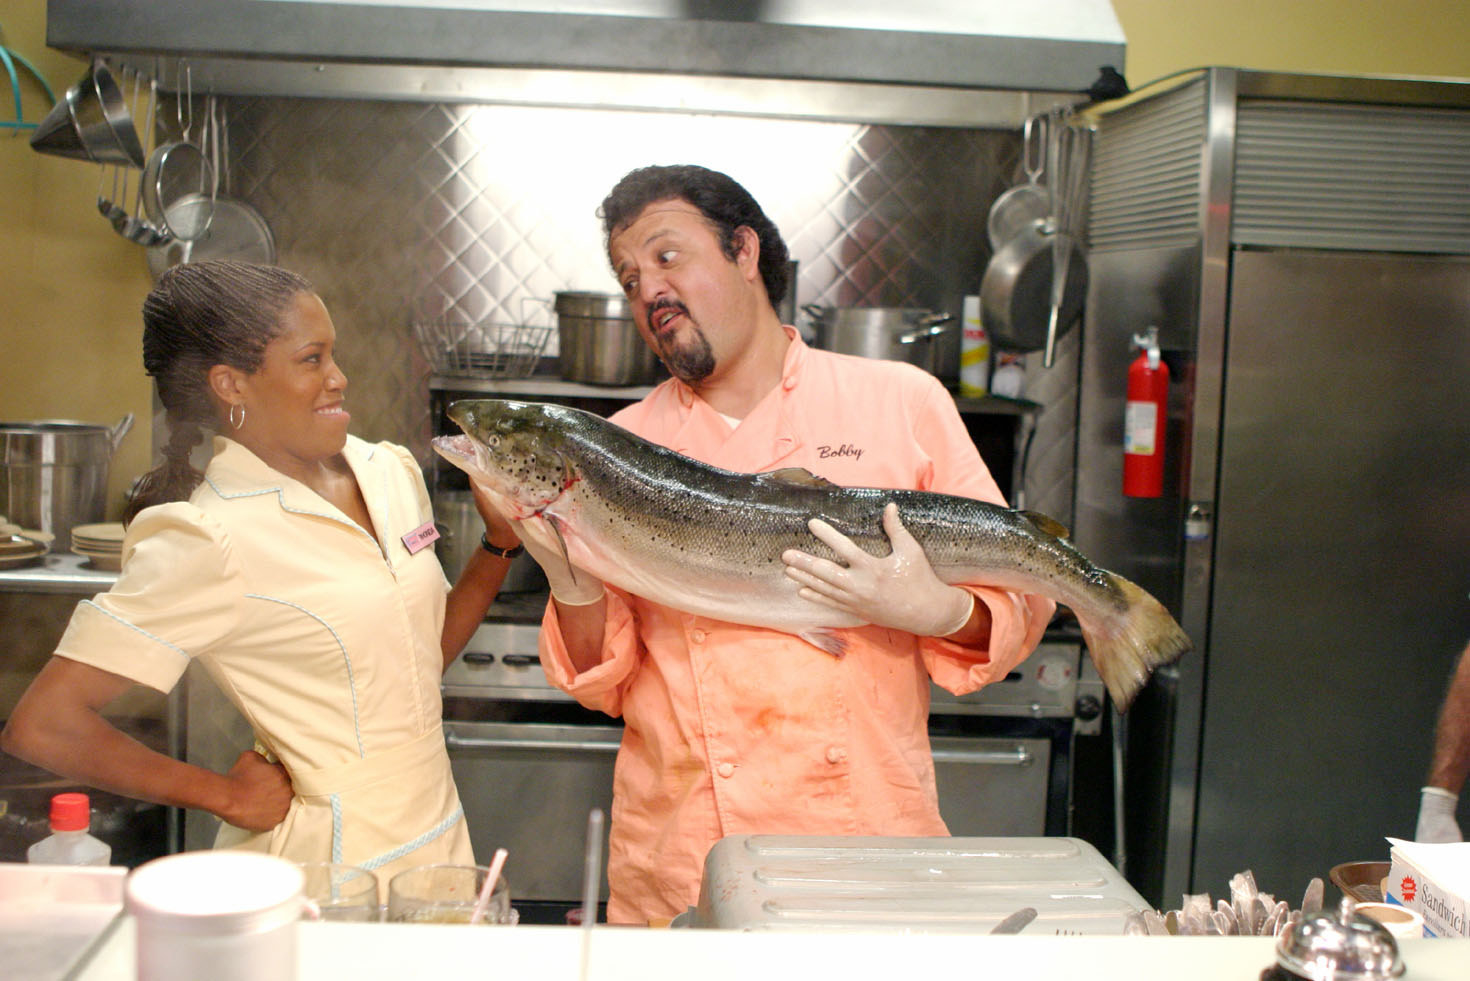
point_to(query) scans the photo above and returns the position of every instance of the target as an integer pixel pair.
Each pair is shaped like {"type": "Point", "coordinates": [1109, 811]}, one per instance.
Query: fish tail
{"type": "Point", "coordinates": [1128, 646]}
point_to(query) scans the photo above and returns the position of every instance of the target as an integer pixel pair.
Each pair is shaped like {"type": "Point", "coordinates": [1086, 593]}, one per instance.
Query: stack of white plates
{"type": "Point", "coordinates": [101, 543]}
{"type": "Point", "coordinates": [20, 546]}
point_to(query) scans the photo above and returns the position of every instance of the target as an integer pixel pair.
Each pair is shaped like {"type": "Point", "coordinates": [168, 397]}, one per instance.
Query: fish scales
{"type": "Point", "coordinates": [708, 541]}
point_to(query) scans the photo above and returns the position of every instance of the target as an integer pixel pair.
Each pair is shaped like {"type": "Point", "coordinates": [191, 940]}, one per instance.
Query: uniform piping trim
{"type": "Point", "coordinates": [157, 640]}
{"type": "Point", "coordinates": [346, 658]}
{"type": "Point", "coordinates": [417, 843]}
{"type": "Point", "coordinates": [336, 828]}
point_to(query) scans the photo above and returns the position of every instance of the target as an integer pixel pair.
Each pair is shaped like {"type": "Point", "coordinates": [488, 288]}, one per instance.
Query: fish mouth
{"type": "Point", "coordinates": [456, 448]}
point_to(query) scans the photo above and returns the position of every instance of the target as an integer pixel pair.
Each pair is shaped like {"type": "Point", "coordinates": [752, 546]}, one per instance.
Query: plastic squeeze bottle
{"type": "Point", "coordinates": [69, 843]}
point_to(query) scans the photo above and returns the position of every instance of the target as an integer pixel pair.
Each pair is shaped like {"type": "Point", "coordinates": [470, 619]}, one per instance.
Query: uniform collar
{"type": "Point", "coordinates": [235, 472]}
{"type": "Point", "coordinates": [764, 438]}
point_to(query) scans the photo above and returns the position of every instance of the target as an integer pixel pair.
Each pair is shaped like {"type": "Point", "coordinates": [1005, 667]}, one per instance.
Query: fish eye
{"type": "Point", "coordinates": [492, 441]}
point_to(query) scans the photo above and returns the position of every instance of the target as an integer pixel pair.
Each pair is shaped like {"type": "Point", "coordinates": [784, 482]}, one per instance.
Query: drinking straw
{"type": "Point", "coordinates": [591, 880]}
{"type": "Point", "coordinates": [483, 903]}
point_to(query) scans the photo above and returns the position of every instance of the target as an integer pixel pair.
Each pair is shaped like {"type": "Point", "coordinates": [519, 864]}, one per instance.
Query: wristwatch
{"type": "Point", "coordinates": [504, 553]}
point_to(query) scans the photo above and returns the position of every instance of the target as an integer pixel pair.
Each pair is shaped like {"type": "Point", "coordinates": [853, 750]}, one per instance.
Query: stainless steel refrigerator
{"type": "Point", "coordinates": [1303, 245]}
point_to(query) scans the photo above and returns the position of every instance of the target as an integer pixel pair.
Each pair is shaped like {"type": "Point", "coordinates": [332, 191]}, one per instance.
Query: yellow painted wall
{"type": "Point", "coordinates": [71, 289]}
{"type": "Point", "coordinates": [1330, 37]}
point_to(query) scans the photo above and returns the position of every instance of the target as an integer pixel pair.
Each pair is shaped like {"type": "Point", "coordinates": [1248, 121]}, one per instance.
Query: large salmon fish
{"type": "Point", "coordinates": [709, 541]}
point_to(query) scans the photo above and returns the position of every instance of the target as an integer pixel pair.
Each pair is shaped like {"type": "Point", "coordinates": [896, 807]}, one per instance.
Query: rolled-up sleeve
{"type": "Point", "coordinates": [601, 686]}
{"type": "Point", "coordinates": [179, 592]}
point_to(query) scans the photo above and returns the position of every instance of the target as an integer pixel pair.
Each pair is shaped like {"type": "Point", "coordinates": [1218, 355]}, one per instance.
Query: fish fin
{"type": "Point", "coordinates": [1127, 648]}
{"type": "Point", "coordinates": [1046, 523]}
{"type": "Point", "coordinates": [828, 640]}
{"type": "Point", "coordinates": [793, 477]}
{"type": "Point", "coordinates": [555, 524]}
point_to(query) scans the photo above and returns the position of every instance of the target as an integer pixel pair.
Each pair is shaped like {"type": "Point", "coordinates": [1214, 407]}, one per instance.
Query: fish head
{"type": "Point", "coordinates": [510, 449]}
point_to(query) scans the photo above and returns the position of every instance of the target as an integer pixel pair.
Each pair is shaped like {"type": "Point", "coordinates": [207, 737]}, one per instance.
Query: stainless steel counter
{"type": "Point", "coordinates": [58, 572]}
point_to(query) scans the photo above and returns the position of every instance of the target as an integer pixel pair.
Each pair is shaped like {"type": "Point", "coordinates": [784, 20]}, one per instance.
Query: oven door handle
{"type": "Point", "coordinates": [454, 740]}
{"type": "Point", "coordinates": [1016, 756]}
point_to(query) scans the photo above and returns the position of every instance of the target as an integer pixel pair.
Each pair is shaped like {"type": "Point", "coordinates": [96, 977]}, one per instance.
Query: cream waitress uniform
{"type": "Point", "coordinates": [324, 637]}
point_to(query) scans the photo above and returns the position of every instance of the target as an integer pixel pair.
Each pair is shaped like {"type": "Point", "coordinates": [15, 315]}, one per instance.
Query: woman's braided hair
{"type": "Point", "coordinates": [198, 315]}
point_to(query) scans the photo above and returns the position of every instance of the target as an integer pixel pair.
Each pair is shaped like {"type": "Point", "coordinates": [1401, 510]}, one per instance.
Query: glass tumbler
{"type": "Point", "coordinates": [445, 894]}
{"type": "Point", "coordinates": [341, 892]}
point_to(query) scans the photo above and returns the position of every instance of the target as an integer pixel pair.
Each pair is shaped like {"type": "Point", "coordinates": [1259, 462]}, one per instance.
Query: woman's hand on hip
{"type": "Point", "coordinates": [261, 792]}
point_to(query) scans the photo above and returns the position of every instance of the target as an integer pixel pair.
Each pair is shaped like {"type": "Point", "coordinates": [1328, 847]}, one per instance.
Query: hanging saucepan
{"type": "Point", "coordinates": [1033, 289]}
{"type": "Point", "coordinates": [1016, 291]}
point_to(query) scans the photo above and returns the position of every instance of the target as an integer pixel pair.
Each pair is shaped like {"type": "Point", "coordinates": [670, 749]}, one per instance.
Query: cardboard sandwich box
{"type": "Point", "coordinates": [1434, 880]}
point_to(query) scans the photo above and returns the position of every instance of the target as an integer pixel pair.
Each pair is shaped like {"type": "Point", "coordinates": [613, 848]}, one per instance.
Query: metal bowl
{"type": "Point", "coordinates": [1341, 946]}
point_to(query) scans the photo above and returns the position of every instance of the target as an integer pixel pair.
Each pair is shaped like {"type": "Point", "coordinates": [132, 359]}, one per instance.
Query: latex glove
{"type": "Point", "coordinates": [1437, 816]}
{"type": "Point", "coordinates": [898, 590]}
{"type": "Point", "coordinates": [570, 586]}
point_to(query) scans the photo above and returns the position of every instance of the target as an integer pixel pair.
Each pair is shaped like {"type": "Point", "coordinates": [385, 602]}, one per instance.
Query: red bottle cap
{"type": "Point", "coordinates": [70, 812]}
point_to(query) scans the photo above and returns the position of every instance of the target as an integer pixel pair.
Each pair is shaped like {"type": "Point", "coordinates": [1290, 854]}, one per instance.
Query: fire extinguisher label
{"type": "Point", "coordinates": [1139, 425]}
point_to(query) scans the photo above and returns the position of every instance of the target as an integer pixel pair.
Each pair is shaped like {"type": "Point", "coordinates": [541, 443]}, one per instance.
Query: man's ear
{"type": "Point", "coordinates": [749, 256]}
{"type": "Point", "coordinates": [227, 384]}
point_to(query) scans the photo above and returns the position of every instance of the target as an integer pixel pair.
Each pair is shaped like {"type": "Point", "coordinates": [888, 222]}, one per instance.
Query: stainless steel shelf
{"type": "Point", "coordinates": [59, 572]}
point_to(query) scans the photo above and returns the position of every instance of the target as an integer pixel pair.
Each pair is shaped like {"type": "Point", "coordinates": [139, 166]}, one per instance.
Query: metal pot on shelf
{"type": "Point", "coordinates": [600, 344]}
{"type": "Point", "coordinates": [53, 473]}
{"type": "Point", "coordinates": [891, 333]}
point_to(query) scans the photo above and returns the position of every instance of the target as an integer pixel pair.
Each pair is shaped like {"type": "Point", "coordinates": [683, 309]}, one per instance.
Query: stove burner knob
{"type": "Point", "coordinates": [521, 660]}
{"type": "Point", "coordinates": [1088, 708]}
{"type": "Point", "coordinates": [478, 657]}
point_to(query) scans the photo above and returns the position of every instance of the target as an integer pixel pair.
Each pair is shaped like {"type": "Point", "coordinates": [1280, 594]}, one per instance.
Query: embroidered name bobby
{"type": "Point", "coordinates": [846, 449]}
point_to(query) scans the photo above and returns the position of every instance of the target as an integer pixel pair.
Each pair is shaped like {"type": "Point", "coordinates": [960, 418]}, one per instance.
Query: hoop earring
{"type": "Point", "coordinates": [237, 423]}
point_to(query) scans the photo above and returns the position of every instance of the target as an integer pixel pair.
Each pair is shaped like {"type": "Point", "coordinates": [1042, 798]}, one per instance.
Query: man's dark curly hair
{"type": "Point", "coordinates": [722, 201]}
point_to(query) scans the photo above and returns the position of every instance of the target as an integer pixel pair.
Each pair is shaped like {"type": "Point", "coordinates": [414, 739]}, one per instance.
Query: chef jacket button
{"type": "Point", "coordinates": [697, 636]}
{"type": "Point", "coordinates": [836, 754]}
{"type": "Point", "coordinates": [726, 769]}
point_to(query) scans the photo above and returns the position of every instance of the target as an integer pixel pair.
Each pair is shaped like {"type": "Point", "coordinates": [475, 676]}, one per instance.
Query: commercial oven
{"type": "Point", "coordinates": [530, 763]}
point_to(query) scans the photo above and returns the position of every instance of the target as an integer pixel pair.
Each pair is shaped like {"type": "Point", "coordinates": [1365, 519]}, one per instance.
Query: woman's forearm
{"type": "Point", "coordinates": [58, 725]}
{"type": "Point", "coordinates": [464, 609]}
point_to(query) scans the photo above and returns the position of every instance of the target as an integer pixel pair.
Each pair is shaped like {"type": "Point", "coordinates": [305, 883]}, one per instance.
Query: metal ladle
{"type": "Point", "coordinates": [132, 227]}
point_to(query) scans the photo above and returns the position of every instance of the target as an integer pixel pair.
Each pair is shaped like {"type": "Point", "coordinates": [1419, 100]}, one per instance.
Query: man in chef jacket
{"type": "Point", "coordinates": [734, 729]}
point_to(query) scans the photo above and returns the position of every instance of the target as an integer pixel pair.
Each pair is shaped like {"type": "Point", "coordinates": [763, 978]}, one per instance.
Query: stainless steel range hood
{"type": "Point", "coordinates": [834, 56]}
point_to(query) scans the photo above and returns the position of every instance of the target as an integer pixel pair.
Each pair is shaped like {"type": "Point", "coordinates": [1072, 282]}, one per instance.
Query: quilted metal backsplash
{"type": "Point", "coordinates": [405, 211]}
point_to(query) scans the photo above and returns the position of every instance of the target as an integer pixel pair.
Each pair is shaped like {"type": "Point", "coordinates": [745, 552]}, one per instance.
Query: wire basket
{"type": "Point", "coordinates": [483, 350]}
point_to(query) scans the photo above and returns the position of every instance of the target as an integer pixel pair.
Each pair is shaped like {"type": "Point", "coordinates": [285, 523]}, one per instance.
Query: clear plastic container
{"type": "Point", "coordinates": [69, 842]}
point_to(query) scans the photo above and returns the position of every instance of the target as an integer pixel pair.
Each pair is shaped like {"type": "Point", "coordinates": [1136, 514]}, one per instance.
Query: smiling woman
{"type": "Point", "coordinates": [295, 568]}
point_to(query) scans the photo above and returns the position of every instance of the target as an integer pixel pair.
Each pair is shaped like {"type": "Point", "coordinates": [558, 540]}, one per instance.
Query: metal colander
{"type": "Point", "coordinates": [482, 350]}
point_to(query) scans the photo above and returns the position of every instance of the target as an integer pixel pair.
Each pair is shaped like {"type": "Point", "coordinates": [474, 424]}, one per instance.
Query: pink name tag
{"type": "Point", "coordinates": [421, 538]}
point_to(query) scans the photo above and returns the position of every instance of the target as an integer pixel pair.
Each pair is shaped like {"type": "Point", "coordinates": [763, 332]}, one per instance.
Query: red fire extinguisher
{"type": "Point", "coordinates": [1144, 418]}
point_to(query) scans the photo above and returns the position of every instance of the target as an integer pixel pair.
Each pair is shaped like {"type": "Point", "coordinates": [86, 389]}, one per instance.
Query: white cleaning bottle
{"type": "Point", "coordinates": [69, 842]}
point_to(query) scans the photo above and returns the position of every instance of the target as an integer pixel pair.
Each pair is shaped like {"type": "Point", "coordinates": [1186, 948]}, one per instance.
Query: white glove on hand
{"type": "Point", "coordinates": [1437, 816]}
{"type": "Point", "coordinates": [569, 586]}
{"type": "Point", "coordinates": [899, 590]}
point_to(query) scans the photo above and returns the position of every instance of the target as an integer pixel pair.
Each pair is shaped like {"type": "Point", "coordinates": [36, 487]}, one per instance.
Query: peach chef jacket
{"type": "Point", "coordinates": [732, 729]}
{"type": "Point", "coordinates": [324, 638]}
